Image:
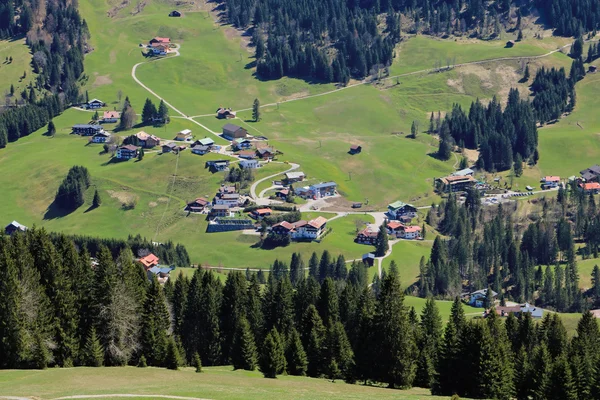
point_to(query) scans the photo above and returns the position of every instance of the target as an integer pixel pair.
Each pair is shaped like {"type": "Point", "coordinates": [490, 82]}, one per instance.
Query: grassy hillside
{"type": "Point", "coordinates": [218, 383]}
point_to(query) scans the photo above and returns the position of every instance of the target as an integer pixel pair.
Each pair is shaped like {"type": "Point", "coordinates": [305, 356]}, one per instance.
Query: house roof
{"type": "Point", "coordinates": [206, 141]}
{"type": "Point", "coordinates": [95, 101]}
{"type": "Point", "coordinates": [231, 127]}
{"type": "Point", "coordinates": [170, 145]}
{"type": "Point", "coordinates": [590, 186]}
{"type": "Point", "coordinates": [199, 200]}
{"type": "Point", "coordinates": [596, 313]}
{"type": "Point", "coordinates": [318, 222]}
{"type": "Point", "coordinates": [17, 225]}
{"type": "Point", "coordinates": [294, 174]}
{"type": "Point", "coordinates": [247, 153]}
{"type": "Point", "coordinates": [300, 223]}
{"type": "Point", "coordinates": [227, 189]}
{"type": "Point", "coordinates": [129, 147]}
{"type": "Point", "coordinates": [111, 114]}
{"type": "Point", "coordinates": [185, 132]}
{"type": "Point", "coordinates": [220, 207]}
{"type": "Point", "coordinates": [284, 224]}
{"type": "Point", "coordinates": [399, 204]}
{"type": "Point", "coordinates": [303, 189]}
{"type": "Point", "coordinates": [354, 147]}
{"type": "Point", "coordinates": [230, 196]}
{"type": "Point", "coordinates": [324, 185]}
{"type": "Point", "coordinates": [149, 260]}
{"type": "Point", "coordinates": [412, 229]}
{"type": "Point", "coordinates": [457, 179]}
{"type": "Point", "coordinates": [102, 133]}
{"type": "Point", "coordinates": [483, 292]}
{"type": "Point", "coordinates": [142, 135]}
{"type": "Point", "coordinates": [241, 140]}
{"type": "Point", "coordinates": [199, 148]}
{"type": "Point", "coordinates": [552, 178]}
{"type": "Point", "coordinates": [463, 172]}
{"type": "Point", "coordinates": [265, 150]}
{"type": "Point", "coordinates": [284, 192]}
{"type": "Point", "coordinates": [262, 211]}
{"type": "Point", "coordinates": [88, 126]}
{"type": "Point", "coordinates": [508, 310]}
{"type": "Point", "coordinates": [368, 255]}
{"type": "Point", "coordinates": [161, 39]}
{"type": "Point", "coordinates": [394, 225]}
{"type": "Point", "coordinates": [368, 232]}
{"type": "Point", "coordinates": [586, 175]}
{"type": "Point", "coordinates": [161, 270]}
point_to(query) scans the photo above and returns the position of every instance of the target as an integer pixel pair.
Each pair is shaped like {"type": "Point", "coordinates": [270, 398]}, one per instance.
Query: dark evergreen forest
{"type": "Point", "coordinates": [59, 310]}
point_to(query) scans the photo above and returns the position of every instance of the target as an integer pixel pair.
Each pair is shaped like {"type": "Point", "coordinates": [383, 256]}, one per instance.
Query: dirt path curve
{"type": "Point", "coordinates": [428, 70]}
{"type": "Point", "coordinates": [96, 396]}
{"type": "Point", "coordinates": [255, 184]}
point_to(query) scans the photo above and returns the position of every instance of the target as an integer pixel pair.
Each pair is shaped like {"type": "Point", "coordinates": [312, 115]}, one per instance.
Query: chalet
{"type": "Point", "coordinates": [590, 187]}
{"type": "Point", "coordinates": [197, 205]}
{"type": "Point", "coordinates": [241, 144]}
{"type": "Point", "coordinates": [94, 104]}
{"type": "Point", "coordinates": [477, 298]}
{"type": "Point", "coordinates": [174, 13]}
{"type": "Point", "coordinates": [410, 232]}
{"type": "Point", "coordinates": [394, 228]}
{"type": "Point", "coordinates": [283, 193]}
{"type": "Point", "coordinates": [149, 261]}
{"type": "Point", "coordinates": [309, 230]}
{"type": "Point", "coordinates": [510, 43]}
{"type": "Point", "coordinates": [247, 154]}
{"type": "Point", "coordinates": [169, 147]}
{"type": "Point", "coordinates": [355, 149]}
{"type": "Point", "coordinates": [399, 209]}
{"type": "Point", "coordinates": [184, 135]}
{"type": "Point", "coordinates": [225, 113]}
{"type": "Point", "coordinates": [201, 150]}
{"type": "Point", "coordinates": [260, 213]}
{"type": "Point", "coordinates": [161, 273]}
{"type": "Point", "coordinates": [220, 211]}
{"type": "Point", "coordinates": [456, 183]}
{"type": "Point", "coordinates": [251, 164]}
{"type": "Point", "coordinates": [591, 174]}
{"type": "Point", "coordinates": [283, 228]}
{"type": "Point", "coordinates": [266, 153]}
{"type": "Point", "coordinates": [232, 132]}
{"type": "Point", "coordinates": [464, 172]}
{"type": "Point", "coordinates": [101, 137]}
{"type": "Point", "coordinates": [323, 189]}
{"type": "Point", "coordinates": [158, 39]}
{"type": "Point", "coordinates": [550, 182]}
{"type": "Point", "coordinates": [127, 152]}
{"type": "Point", "coordinates": [14, 227]}
{"type": "Point", "coordinates": [228, 199]}
{"type": "Point", "coordinates": [294, 176]}
{"type": "Point", "coordinates": [205, 142]}
{"type": "Point", "coordinates": [110, 117]}
{"type": "Point", "coordinates": [146, 140]}
{"type": "Point", "coordinates": [217, 165]}
{"type": "Point", "coordinates": [535, 312]}
{"type": "Point", "coordinates": [368, 259]}
{"type": "Point", "coordinates": [303, 192]}
{"type": "Point", "coordinates": [87, 129]}
{"type": "Point", "coordinates": [366, 236]}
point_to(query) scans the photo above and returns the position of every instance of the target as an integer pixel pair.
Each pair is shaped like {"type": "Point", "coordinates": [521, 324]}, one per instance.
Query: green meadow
{"type": "Point", "coordinates": [12, 72]}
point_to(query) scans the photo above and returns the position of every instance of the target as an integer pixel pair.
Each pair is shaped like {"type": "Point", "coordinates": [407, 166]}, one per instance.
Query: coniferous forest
{"type": "Point", "coordinates": [59, 310]}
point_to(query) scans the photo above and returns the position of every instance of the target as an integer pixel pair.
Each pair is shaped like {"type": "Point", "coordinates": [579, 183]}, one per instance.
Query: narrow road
{"type": "Point", "coordinates": [255, 184]}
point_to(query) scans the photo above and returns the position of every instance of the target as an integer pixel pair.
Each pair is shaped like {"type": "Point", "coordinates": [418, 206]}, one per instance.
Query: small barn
{"type": "Point", "coordinates": [174, 13]}
{"type": "Point", "coordinates": [355, 149]}
{"type": "Point", "coordinates": [368, 259]}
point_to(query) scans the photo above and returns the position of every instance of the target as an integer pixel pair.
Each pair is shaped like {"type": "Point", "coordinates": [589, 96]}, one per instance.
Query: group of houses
{"type": "Point", "coordinates": [302, 230]}
{"type": "Point", "coordinates": [153, 268]}
{"type": "Point", "coordinates": [399, 215]}
{"type": "Point", "coordinates": [224, 201]}
{"type": "Point", "coordinates": [159, 46]}
{"type": "Point", "coordinates": [478, 299]}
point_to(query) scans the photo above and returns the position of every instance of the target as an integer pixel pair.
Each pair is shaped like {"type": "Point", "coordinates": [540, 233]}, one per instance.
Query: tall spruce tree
{"type": "Point", "coordinates": [272, 359]}
{"type": "Point", "coordinates": [243, 351]}
{"type": "Point", "coordinates": [449, 358]}
{"type": "Point", "coordinates": [93, 354]}
{"type": "Point", "coordinates": [12, 332]}
{"type": "Point", "coordinates": [232, 309]}
{"type": "Point", "coordinates": [429, 342]}
{"type": "Point", "coordinates": [295, 355]}
{"type": "Point", "coordinates": [155, 325]}
{"type": "Point", "coordinates": [381, 245]}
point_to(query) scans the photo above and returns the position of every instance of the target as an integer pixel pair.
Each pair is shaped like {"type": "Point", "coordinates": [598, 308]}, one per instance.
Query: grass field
{"type": "Point", "coordinates": [12, 72]}
{"type": "Point", "coordinates": [218, 383]}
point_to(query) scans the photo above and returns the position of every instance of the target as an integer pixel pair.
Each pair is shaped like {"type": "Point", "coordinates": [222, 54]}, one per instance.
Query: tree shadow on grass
{"type": "Point", "coordinates": [54, 211]}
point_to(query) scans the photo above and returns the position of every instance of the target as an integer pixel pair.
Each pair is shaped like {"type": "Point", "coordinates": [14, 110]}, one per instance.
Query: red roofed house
{"type": "Point", "coordinates": [149, 261]}
{"type": "Point", "coordinates": [590, 187]}
{"type": "Point", "coordinates": [550, 182]}
{"type": "Point", "coordinates": [160, 49]}
{"type": "Point", "coordinates": [260, 213]}
{"type": "Point", "coordinates": [366, 236]}
{"type": "Point", "coordinates": [283, 193]}
{"type": "Point", "coordinates": [395, 227]}
{"type": "Point", "coordinates": [283, 228]}
{"type": "Point", "coordinates": [410, 232]}
{"type": "Point", "coordinates": [302, 230]}
{"type": "Point", "coordinates": [158, 39]}
{"type": "Point", "coordinates": [111, 116]}
{"type": "Point", "coordinates": [197, 205]}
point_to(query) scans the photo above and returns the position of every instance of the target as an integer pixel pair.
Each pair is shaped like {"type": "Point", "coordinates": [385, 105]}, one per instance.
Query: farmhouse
{"type": "Point", "coordinates": [590, 187]}
{"type": "Point", "coordinates": [591, 174]}
{"type": "Point", "coordinates": [94, 104]}
{"type": "Point", "coordinates": [232, 132]}
{"type": "Point", "coordinates": [366, 236]}
{"type": "Point", "coordinates": [225, 113]}
{"type": "Point", "coordinates": [200, 150]}
{"type": "Point", "coordinates": [368, 259]}
{"type": "Point", "coordinates": [158, 39]}
{"type": "Point", "coordinates": [146, 140]}
{"type": "Point", "coordinates": [87, 129]}
{"type": "Point", "coordinates": [261, 213]}
{"type": "Point", "coordinates": [535, 312]}
{"type": "Point", "coordinates": [227, 189]}
{"type": "Point", "coordinates": [205, 142]}
{"type": "Point", "coordinates": [217, 165]}
{"type": "Point", "coordinates": [100, 137]}
{"type": "Point", "coordinates": [355, 149]}
{"type": "Point", "coordinates": [241, 144]}
{"type": "Point", "coordinates": [169, 147]}
{"type": "Point", "coordinates": [456, 183]}
{"type": "Point", "coordinates": [550, 182]}
{"type": "Point", "coordinates": [161, 273]}
{"type": "Point", "coordinates": [283, 193]}
{"type": "Point", "coordinates": [149, 261]}
{"type": "Point", "coordinates": [220, 210]}
{"type": "Point", "coordinates": [110, 117]}
{"type": "Point", "coordinates": [247, 154]}
{"type": "Point", "coordinates": [185, 134]}
{"type": "Point", "coordinates": [249, 164]}
{"type": "Point", "coordinates": [228, 199]}
{"type": "Point", "coordinates": [127, 152]}
{"type": "Point", "coordinates": [174, 13]}
{"type": "Point", "coordinates": [14, 227]}
{"type": "Point", "coordinates": [302, 230]}
{"type": "Point", "coordinates": [197, 205]}
{"type": "Point", "coordinates": [294, 176]}
{"type": "Point", "coordinates": [266, 153]}
{"type": "Point", "coordinates": [323, 189]}
{"type": "Point", "coordinates": [463, 172]}
{"type": "Point", "coordinates": [400, 209]}
{"type": "Point", "coordinates": [410, 232]}
{"type": "Point", "coordinates": [477, 298]}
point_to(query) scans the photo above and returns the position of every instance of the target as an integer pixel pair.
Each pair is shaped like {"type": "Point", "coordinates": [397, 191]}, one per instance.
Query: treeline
{"type": "Point", "coordinates": [59, 311]}
{"type": "Point", "coordinates": [555, 92]}
{"type": "Point", "coordinates": [71, 192]}
{"type": "Point", "coordinates": [570, 17]}
{"type": "Point", "coordinates": [501, 136]}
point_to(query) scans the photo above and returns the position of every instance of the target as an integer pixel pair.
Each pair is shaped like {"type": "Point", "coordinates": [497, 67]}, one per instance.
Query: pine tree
{"type": "Point", "coordinates": [256, 110]}
{"type": "Point", "coordinates": [232, 312]}
{"type": "Point", "coordinates": [155, 324]}
{"type": "Point", "coordinates": [149, 111]}
{"type": "Point", "coordinates": [445, 149]}
{"type": "Point", "coordinates": [296, 358]}
{"type": "Point", "coordinates": [313, 266]}
{"type": "Point", "coordinates": [172, 359]}
{"type": "Point", "coordinates": [328, 305]}
{"type": "Point", "coordinates": [541, 368]}
{"type": "Point", "coordinates": [340, 354]}
{"type": "Point", "coordinates": [51, 128]}
{"type": "Point", "coordinates": [243, 352]}
{"type": "Point", "coordinates": [12, 329]}
{"type": "Point", "coordinates": [518, 167]}
{"type": "Point", "coordinates": [449, 359]}
{"type": "Point", "coordinates": [163, 112]}
{"type": "Point", "coordinates": [496, 365]}
{"type": "Point", "coordinates": [381, 244]}
{"type": "Point", "coordinates": [197, 362]}
{"type": "Point", "coordinates": [429, 342]}
{"type": "Point", "coordinates": [561, 385]}
{"type": "Point", "coordinates": [97, 200]}
{"type": "Point", "coordinates": [141, 154]}
{"type": "Point", "coordinates": [142, 363]}
{"type": "Point", "coordinates": [12, 90]}
{"type": "Point", "coordinates": [526, 74]}
{"type": "Point", "coordinates": [41, 354]}
{"type": "Point", "coordinates": [520, 36]}
{"type": "Point", "coordinates": [324, 265]}
{"type": "Point", "coordinates": [596, 284]}
{"type": "Point", "coordinates": [296, 269]}
{"type": "Point", "coordinates": [272, 360]}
